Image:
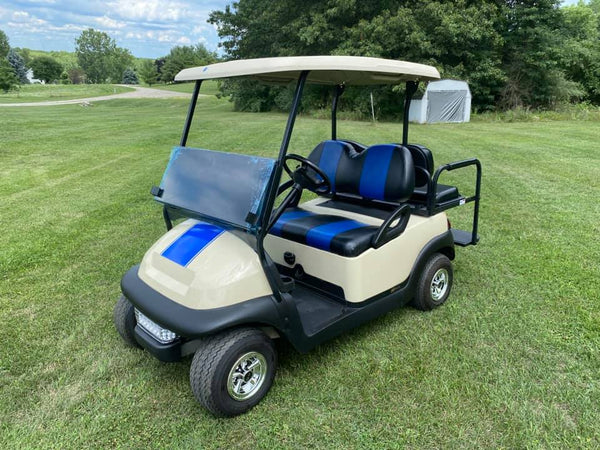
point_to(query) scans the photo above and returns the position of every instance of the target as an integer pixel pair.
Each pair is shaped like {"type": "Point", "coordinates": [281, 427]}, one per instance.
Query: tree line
{"type": "Point", "coordinates": [513, 53]}
{"type": "Point", "coordinates": [98, 60]}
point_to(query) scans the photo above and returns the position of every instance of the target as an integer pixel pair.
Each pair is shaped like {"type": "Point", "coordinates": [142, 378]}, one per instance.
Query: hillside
{"type": "Point", "coordinates": [69, 59]}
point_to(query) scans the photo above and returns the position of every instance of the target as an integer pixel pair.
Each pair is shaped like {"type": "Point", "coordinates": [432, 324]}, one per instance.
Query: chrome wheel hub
{"type": "Point", "coordinates": [247, 376]}
{"type": "Point", "coordinates": [439, 284]}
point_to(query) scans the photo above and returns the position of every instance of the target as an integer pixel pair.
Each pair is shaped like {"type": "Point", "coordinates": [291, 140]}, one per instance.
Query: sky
{"type": "Point", "coordinates": [148, 28]}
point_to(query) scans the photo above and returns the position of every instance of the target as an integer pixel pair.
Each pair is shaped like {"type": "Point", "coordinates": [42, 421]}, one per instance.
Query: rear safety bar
{"type": "Point", "coordinates": [432, 189]}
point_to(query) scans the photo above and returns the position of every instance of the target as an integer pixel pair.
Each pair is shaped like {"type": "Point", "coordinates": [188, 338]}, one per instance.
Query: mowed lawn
{"type": "Point", "coordinates": [52, 92]}
{"type": "Point", "coordinates": [512, 360]}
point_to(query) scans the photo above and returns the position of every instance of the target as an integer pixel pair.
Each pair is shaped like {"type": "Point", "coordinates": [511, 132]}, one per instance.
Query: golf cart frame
{"type": "Point", "coordinates": [285, 319]}
{"type": "Point", "coordinates": [301, 306]}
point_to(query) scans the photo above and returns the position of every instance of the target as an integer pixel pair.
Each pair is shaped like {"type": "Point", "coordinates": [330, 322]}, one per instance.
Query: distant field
{"type": "Point", "coordinates": [209, 87]}
{"type": "Point", "coordinates": [50, 92]}
{"type": "Point", "coordinates": [512, 360]}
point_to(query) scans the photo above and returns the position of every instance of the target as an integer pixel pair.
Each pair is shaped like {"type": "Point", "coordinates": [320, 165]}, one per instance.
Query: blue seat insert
{"type": "Point", "coordinates": [331, 233]}
{"type": "Point", "coordinates": [380, 172]}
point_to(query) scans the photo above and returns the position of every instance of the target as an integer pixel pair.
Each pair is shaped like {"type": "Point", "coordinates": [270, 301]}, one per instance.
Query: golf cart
{"type": "Point", "coordinates": [250, 263]}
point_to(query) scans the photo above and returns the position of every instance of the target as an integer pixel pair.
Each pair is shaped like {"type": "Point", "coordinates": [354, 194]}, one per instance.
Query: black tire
{"type": "Point", "coordinates": [217, 358]}
{"type": "Point", "coordinates": [124, 319]}
{"type": "Point", "coordinates": [427, 296]}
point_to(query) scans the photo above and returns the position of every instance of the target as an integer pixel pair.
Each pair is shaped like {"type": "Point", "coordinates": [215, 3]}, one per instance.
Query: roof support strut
{"type": "Point", "coordinates": [270, 269]}
{"type": "Point", "coordinates": [190, 114]}
{"type": "Point", "coordinates": [411, 88]}
{"type": "Point", "coordinates": [337, 93]}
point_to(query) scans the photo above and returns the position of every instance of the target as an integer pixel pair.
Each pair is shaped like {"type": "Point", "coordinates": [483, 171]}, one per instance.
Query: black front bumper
{"type": "Point", "coordinates": [194, 323]}
{"type": "Point", "coordinates": [163, 352]}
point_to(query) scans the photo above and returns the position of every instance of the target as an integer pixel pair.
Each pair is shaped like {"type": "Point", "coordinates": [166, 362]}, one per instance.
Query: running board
{"type": "Point", "coordinates": [464, 238]}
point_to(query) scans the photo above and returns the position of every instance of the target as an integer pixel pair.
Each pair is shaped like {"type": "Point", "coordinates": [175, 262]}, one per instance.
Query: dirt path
{"type": "Point", "coordinates": [139, 92]}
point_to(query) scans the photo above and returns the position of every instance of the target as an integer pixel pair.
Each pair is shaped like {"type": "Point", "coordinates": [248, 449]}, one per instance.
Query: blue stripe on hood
{"type": "Point", "coordinates": [187, 246]}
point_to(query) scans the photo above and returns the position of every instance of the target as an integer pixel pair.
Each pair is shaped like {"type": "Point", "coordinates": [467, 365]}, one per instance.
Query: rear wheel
{"type": "Point", "coordinates": [434, 283]}
{"type": "Point", "coordinates": [124, 319]}
{"type": "Point", "coordinates": [232, 371]}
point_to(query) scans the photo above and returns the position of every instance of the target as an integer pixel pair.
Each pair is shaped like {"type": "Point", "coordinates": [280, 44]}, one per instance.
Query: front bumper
{"type": "Point", "coordinates": [194, 323]}
{"type": "Point", "coordinates": [163, 352]}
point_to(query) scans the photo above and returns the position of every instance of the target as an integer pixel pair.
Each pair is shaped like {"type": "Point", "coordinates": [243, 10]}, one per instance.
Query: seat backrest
{"type": "Point", "coordinates": [423, 158]}
{"type": "Point", "coordinates": [380, 172]}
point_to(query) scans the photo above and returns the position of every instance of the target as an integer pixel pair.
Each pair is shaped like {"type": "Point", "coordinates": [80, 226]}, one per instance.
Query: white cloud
{"type": "Point", "coordinates": [107, 22]}
{"type": "Point", "coordinates": [150, 10]}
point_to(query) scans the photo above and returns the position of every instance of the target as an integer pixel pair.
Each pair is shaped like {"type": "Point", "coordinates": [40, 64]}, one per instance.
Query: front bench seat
{"type": "Point", "coordinates": [331, 233]}
{"type": "Point", "coordinates": [380, 172]}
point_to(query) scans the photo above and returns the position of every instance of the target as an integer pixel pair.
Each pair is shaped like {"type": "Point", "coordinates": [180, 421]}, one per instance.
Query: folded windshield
{"type": "Point", "coordinates": [228, 187]}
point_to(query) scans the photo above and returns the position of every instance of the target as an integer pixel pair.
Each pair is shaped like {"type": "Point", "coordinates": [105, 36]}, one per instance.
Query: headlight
{"type": "Point", "coordinates": [159, 333]}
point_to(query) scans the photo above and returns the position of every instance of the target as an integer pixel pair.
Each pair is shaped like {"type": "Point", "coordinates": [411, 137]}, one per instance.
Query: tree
{"type": "Point", "coordinates": [129, 77]}
{"type": "Point", "coordinates": [181, 57]}
{"type": "Point", "coordinates": [460, 37]}
{"type": "Point", "coordinates": [8, 79]}
{"type": "Point", "coordinates": [148, 72]}
{"type": "Point", "coordinates": [18, 65]}
{"type": "Point", "coordinates": [46, 68]}
{"type": "Point", "coordinates": [580, 49]}
{"type": "Point", "coordinates": [4, 47]}
{"type": "Point", "coordinates": [25, 54]}
{"type": "Point", "coordinates": [76, 75]}
{"type": "Point", "coordinates": [99, 56]}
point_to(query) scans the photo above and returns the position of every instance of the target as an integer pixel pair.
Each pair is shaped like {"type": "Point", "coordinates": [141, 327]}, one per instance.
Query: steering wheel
{"type": "Point", "coordinates": [304, 174]}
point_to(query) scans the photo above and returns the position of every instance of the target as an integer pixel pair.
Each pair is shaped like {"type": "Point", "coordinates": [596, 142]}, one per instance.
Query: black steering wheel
{"type": "Point", "coordinates": [304, 174]}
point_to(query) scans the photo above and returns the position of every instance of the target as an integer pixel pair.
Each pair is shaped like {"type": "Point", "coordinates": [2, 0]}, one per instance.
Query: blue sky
{"type": "Point", "coordinates": [148, 28]}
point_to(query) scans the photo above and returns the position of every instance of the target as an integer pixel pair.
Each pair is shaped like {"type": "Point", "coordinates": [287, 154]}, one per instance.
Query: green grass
{"type": "Point", "coordinates": [511, 361]}
{"type": "Point", "coordinates": [52, 92]}
{"type": "Point", "coordinates": [209, 87]}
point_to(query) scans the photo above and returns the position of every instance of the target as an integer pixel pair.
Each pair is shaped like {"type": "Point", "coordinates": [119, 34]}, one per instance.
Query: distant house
{"type": "Point", "coordinates": [443, 101]}
{"type": "Point", "coordinates": [32, 80]}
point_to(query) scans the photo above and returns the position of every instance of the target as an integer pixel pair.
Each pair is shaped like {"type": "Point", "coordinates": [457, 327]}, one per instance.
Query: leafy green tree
{"type": "Point", "coordinates": [580, 49]}
{"type": "Point", "coordinates": [18, 65]}
{"type": "Point", "coordinates": [4, 46]}
{"type": "Point", "coordinates": [8, 78]}
{"type": "Point", "coordinates": [76, 75]}
{"type": "Point", "coordinates": [100, 58]}
{"type": "Point", "coordinates": [130, 77]}
{"type": "Point", "coordinates": [148, 72]}
{"type": "Point", "coordinates": [46, 68]}
{"type": "Point", "coordinates": [64, 78]}
{"type": "Point", "coordinates": [181, 57]}
{"type": "Point", "coordinates": [460, 37]}
{"type": "Point", "coordinates": [531, 33]}
{"type": "Point", "coordinates": [25, 54]}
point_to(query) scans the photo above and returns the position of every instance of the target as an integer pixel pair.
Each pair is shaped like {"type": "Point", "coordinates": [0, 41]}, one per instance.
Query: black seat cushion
{"type": "Point", "coordinates": [380, 172]}
{"type": "Point", "coordinates": [444, 193]}
{"type": "Point", "coordinates": [331, 233]}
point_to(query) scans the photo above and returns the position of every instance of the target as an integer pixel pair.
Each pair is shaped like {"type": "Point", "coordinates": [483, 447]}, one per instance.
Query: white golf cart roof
{"type": "Point", "coordinates": [332, 70]}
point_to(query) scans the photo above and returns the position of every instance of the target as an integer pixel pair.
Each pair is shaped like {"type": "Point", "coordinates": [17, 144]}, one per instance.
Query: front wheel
{"type": "Point", "coordinates": [124, 320]}
{"type": "Point", "coordinates": [434, 283]}
{"type": "Point", "coordinates": [232, 371]}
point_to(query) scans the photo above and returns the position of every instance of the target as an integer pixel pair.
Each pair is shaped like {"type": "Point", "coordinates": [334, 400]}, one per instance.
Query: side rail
{"type": "Point", "coordinates": [432, 188]}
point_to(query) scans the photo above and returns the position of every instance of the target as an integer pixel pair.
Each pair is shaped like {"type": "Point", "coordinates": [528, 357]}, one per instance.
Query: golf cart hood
{"type": "Point", "coordinates": [203, 266]}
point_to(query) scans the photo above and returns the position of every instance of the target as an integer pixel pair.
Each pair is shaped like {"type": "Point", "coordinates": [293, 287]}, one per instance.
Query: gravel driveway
{"type": "Point", "coordinates": [139, 92]}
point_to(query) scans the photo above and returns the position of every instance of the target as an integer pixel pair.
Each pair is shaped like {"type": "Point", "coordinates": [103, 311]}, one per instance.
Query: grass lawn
{"type": "Point", "coordinates": [209, 87]}
{"type": "Point", "coordinates": [53, 92]}
{"type": "Point", "coordinates": [512, 360]}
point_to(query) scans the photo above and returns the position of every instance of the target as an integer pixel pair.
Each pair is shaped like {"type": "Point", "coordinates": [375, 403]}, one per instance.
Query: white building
{"type": "Point", "coordinates": [32, 80]}
{"type": "Point", "coordinates": [443, 101]}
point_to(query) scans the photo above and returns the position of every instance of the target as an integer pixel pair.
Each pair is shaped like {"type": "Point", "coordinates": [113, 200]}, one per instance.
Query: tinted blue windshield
{"type": "Point", "coordinates": [224, 186]}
